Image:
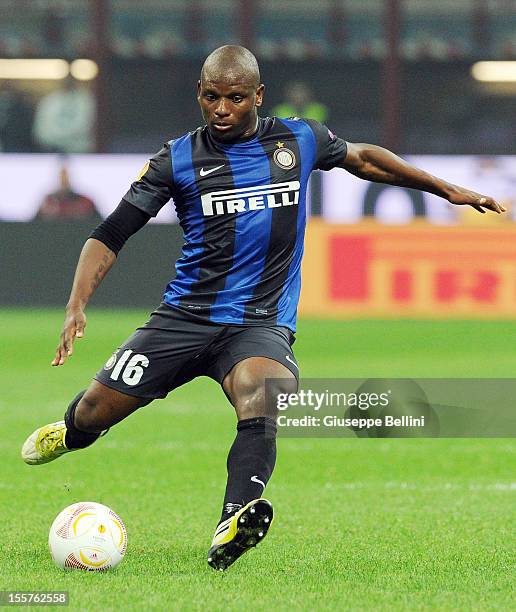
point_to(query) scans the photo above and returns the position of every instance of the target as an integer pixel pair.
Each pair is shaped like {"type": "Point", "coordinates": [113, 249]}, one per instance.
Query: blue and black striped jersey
{"type": "Point", "coordinates": [242, 209]}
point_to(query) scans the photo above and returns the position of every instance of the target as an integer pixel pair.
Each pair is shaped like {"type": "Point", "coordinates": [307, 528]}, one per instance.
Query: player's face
{"type": "Point", "coordinates": [229, 109]}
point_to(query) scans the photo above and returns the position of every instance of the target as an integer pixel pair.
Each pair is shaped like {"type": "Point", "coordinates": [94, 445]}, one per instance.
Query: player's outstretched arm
{"type": "Point", "coordinates": [97, 257]}
{"type": "Point", "coordinates": [94, 263]}
{"type": "Point", "coordinates": [377, 164]}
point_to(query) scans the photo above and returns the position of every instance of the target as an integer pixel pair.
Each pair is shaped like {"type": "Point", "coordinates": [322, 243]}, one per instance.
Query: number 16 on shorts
{"type": "Point", "coordinates": [130, 366]}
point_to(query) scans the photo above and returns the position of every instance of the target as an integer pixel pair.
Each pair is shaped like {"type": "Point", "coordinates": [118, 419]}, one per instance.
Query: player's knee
{"type": "Point", "coordinates": [252, 403]}
{"type": "Point", "coordinates": [256, 399]}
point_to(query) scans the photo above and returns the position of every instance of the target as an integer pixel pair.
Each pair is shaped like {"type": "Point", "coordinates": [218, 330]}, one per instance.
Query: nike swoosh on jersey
{"type": "Point", "coordinates": [204, 172]}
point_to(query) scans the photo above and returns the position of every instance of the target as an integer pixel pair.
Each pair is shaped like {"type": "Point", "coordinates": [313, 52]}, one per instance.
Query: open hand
{"type": "Point", "coordinates": [479, 202]}
{"type": "Point", "coordinates": [73, 327]}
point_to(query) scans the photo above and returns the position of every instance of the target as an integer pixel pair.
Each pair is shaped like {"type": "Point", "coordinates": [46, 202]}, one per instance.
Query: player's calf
{"type": "Point", "coordinates": [77, 436]}
{"type": "Point", "coordinates": [99, 409]}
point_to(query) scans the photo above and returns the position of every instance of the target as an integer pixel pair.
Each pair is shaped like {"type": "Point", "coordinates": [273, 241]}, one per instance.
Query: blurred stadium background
{"type": "Point", "coordinates": [102, 84]}
{"type": "Point", "coordinates": [114, 78]}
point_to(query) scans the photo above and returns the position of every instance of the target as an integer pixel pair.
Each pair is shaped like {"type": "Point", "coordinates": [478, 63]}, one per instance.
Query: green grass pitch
{"type": "Point", "coordinates": [360, 524]}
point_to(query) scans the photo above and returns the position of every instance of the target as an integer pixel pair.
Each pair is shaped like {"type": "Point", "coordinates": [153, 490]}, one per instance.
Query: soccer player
{"type": "Point", "coordinates": [238, 184]}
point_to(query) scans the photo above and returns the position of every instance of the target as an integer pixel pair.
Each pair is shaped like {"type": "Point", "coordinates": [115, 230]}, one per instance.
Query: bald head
{"type": "Point", "coordinates": [231, 64]}
{"type": "Point", "coordinates": [229, 93]}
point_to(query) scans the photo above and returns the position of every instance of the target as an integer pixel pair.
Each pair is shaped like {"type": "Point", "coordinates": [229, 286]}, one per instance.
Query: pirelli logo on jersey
{"type": "Point", "coordinates": [250, 198]}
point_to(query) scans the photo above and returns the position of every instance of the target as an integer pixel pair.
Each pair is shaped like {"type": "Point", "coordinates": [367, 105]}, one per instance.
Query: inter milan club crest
{"type": "Point", "coordinates": [283, 157]}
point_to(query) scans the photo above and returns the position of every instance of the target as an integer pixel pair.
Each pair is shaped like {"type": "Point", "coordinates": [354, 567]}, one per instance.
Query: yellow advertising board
{"type": "Point", "coordinates": [424, 271]}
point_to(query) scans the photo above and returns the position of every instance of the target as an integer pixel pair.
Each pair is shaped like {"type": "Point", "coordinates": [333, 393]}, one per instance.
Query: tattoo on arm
{"type": "Point", "coordinates": [102, 269]}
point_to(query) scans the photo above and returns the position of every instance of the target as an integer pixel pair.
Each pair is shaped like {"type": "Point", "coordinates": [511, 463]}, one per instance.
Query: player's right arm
{"type": "Point", "coordinates": [145, 198]}
{"type": "Point", "coordinates": [94, 263]}
{"type": "Point", "coordinates": [97, 257]}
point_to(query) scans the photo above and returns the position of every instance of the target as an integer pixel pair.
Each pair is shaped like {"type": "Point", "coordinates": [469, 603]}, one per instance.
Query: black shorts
{"type": "Point", "coordinates": [173, 348]}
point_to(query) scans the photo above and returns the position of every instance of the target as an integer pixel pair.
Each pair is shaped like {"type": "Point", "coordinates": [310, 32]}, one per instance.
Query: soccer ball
{"type": "Point", "coordinates": [87, 536]}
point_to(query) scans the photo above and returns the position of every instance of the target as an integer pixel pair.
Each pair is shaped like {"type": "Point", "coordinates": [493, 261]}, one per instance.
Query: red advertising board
{"type": "Point", "coordinates": [369, 270]}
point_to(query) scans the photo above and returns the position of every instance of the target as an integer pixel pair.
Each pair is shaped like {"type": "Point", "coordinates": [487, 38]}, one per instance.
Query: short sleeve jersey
{"type": "Point", "coordinates": [242, 209]}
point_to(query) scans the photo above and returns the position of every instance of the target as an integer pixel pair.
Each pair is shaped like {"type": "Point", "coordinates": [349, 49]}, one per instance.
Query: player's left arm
{"type": "Point", "coordinates": [380, 165]}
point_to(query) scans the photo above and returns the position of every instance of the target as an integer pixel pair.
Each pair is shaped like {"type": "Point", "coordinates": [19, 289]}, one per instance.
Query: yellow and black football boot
{"type": "Point", "coordinates": [237, 534]}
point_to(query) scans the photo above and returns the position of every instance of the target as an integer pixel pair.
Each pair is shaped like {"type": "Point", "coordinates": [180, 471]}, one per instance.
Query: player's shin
{"type": "Point", "coordinates": [75, 438]}
{"type": "Point", "coordinates": [250, 463]}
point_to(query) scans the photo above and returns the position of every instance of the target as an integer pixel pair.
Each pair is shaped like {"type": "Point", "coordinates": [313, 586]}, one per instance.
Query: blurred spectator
{"type": "Point", "coordinates": [64, 121]}
{"type": "Point", "coordinates": [16, 116]}
{"type": "Point", "coordinates": [65, 203]}
{"type": "Point", "coordinates": [299, 102]}
{"type": "Point", "coordinates": [53, 29]}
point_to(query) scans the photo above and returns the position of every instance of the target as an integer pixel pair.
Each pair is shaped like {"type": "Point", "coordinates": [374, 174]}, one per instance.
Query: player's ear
{"type": "Point", "coordinates": [198, 89]}
{"type": "Point", "coordinates": [259, 95]}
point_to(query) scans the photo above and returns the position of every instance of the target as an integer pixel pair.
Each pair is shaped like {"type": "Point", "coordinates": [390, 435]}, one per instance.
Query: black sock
{"type": "Point", "coordinates": [75, 438]}
{"type": "Point", "coordinates": [250, 463]}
